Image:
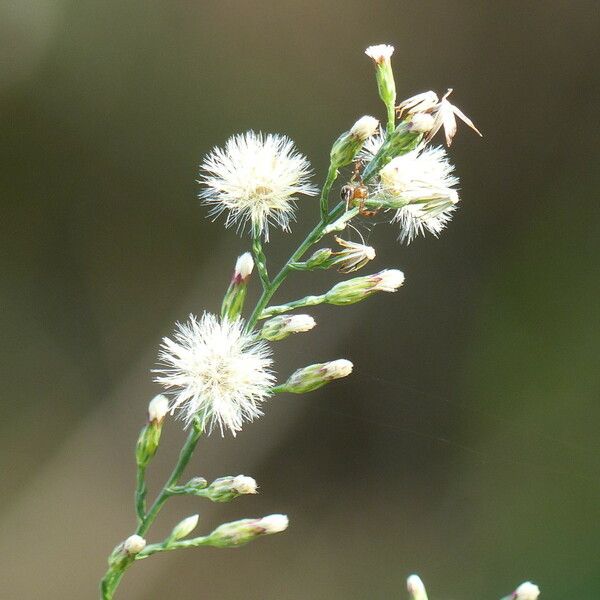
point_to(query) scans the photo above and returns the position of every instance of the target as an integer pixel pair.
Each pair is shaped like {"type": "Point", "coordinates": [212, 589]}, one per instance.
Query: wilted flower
{"type": "Point", "coordinates": [216, 371]}
{"type": "Point", "coordinates": [256, 179]}
{"type": "Point", "coordinates": [443, 111]}
{"type": "Point", "coordinates": [420, 185]}
{"type": "Point", "coordinates": [353, 257]}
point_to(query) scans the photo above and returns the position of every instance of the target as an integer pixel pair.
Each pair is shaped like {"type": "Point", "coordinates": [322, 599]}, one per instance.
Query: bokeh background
{"type": "Point", "coordinates": [465, 445]}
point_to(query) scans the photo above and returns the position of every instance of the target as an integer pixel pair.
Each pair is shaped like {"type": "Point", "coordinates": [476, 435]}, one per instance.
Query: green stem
{"type": "Point", "coordinates": [184, 458]}
{"type": "Point", "coordinates": [259, 258]}
{"type": "Point", "coordinates": [113, 576]}
{"type": "Point", "coordinates": [140, 493]}
{"type": "Point", "coordinates": [155, 548]}
{"type": "Point", "coordinates": [332, 174]}
{"type": "Point", "coordinates": [312, 238]}
{"type": "Point", "coordinates": [301, 303]}
{"type": "Point", "coordinates": [391, 118]}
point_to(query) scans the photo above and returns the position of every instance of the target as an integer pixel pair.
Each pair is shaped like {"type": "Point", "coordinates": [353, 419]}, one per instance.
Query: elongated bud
{"type": "Point", "coordinates": [386, 85]}
{"type": "Point", "coordinates": [149, 437]}
{"type": "Point", "coordinates": [158, 408]}
{"type": "Point", "coordinates": [364, 128]}
{"type": "Point", "coordinates": [241, 532]}
{"type": "Point", "coordinates": [526, 591]}
{"type": "Point", "coordinates": [282, 326]}
{"type": "Point", "coordinates": [225, 489]}
{"type": "Point", "coordinates": [348, 145]}
{"type": "Point", "coordinates": [315, 376]}
{"type": "Point", "coordinates": [360, 288]}
{"type": "Point", "coordinates": [233, 302]}
{"type": "Point", "coordinates": [416, 588]}
{"type": "Point", "coordinates": [320, 259]}
{"type": "Point", "coordinates": [197, 483]}
{"type": "Point", "coordinates": [184, 528]}
{"type": "Point", "coordinates": [134, 544]}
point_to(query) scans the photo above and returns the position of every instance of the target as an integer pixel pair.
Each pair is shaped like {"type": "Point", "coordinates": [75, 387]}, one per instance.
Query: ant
{"type": "Point", "coordinates": [355, 191]}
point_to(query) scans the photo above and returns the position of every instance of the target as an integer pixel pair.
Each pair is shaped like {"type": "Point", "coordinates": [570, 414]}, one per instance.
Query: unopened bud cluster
{"type": "Point", "coordinates": [359, 288]}
{"type": "Point", "coordinates": [315, 376]}
{"type": "Point", "coordinates": [225, 489]}
{"type": "Point", "coordinates": [241, 532]}
{"type": "Point", "coordinates": [282, 326]}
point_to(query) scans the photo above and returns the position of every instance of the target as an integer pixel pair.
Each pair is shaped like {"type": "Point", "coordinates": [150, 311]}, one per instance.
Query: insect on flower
{"type": "Point", "coordinates": [355, 192]}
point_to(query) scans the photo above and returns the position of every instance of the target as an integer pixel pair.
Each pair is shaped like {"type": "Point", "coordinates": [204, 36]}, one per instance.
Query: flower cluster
{"type": "Point", "coordinates": [217, 370]}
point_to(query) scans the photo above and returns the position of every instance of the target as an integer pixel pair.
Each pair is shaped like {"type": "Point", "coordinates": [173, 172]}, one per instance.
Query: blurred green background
{"type": "Point", "coordinates": [465, 445]}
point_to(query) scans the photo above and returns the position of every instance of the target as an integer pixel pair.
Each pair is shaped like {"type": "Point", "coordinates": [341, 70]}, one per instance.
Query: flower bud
{"type": "Point", "coordinates": [196, 483]}
{"type": "Point", "coordinates": [382, 54]}
{"type": "Point", "coordinates": [526, 591]}
{"type": "Point", "coordinates": [416, 589]}
{"type": "Point", "coordinates": [274, 523]}
{"type": "Point", "coordinates": [359, 288]}
{"type": "Point", "coordinates": [233, 302]}
{"type": "Point", "coordinates": [364, 128]}
{"type": "Point", "coordinates": [134, 544]}
{"type": "Point", "coordinates": [158, 408]}
{"type": "Point", "coordinates": [348, 145]}
{"type": "Point", "coordinates": [184, 528]}
{"type": "Point", "coordinates": [319, 259]}
{"type": "Point", "coordinates": [243, 267]}
{"type": "Point", "coordinates": [241, 532]}
{"type": "Point", "coordinates": [225, 489]}
{"type": "Point", "coordinates": [282, 326]}
{"type": "Point", "coordinates": [315, 376]}
{"type": "Point", "coordinates": [149, 437]}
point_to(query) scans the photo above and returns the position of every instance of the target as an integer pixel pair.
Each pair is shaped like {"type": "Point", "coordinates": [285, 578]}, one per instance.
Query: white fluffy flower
{"type": "Point", "coordinates": [423, 179]}
{"type": "Point", "coordinates": [216, 372]}
{"type": "Point", "coordinates": [380, 53]}
{"type": "Point", "coordinates": [256, 179]}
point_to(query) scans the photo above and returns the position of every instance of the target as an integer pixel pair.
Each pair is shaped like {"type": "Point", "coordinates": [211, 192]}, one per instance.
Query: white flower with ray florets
{"type": "Point", "coordinates": [255, 179]}
{"type": "Point", "coordinates": [422, 181]}
{"type": "Point", "coordinates": [216, 372]}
